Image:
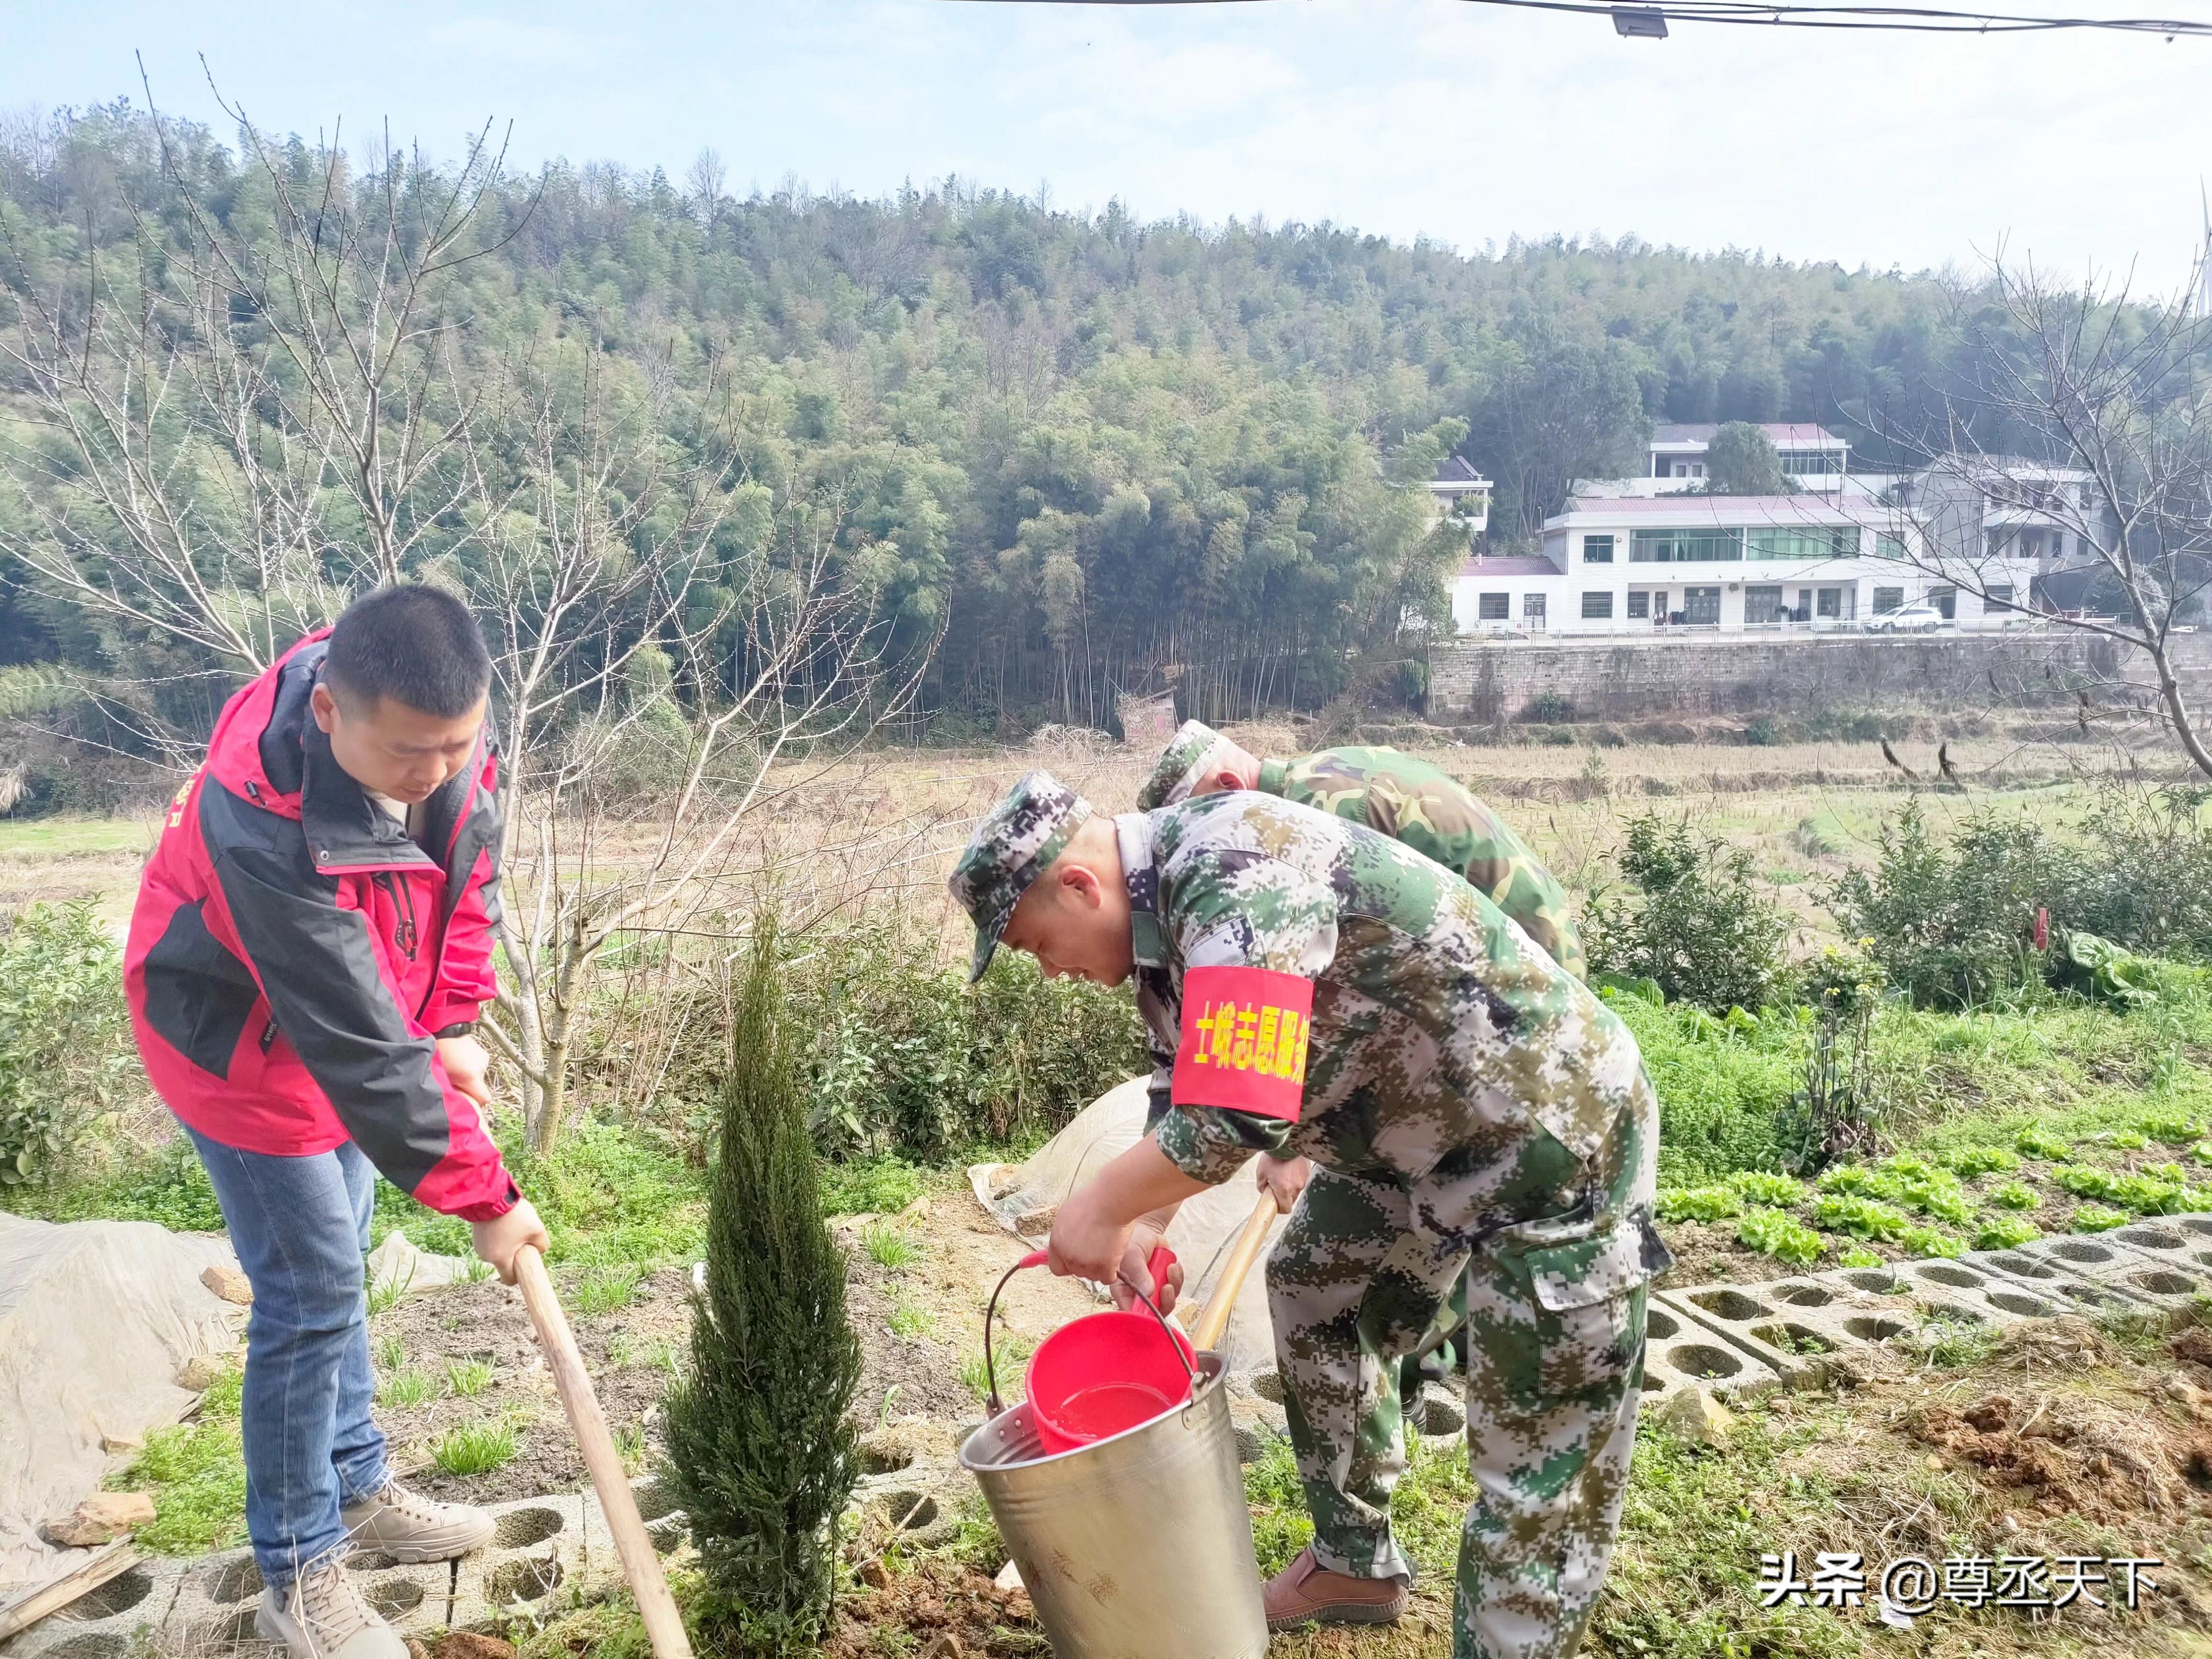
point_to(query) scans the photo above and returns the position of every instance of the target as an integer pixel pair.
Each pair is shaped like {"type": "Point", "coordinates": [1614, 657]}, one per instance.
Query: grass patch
{"type": "Point", "coordinates": [468, 1378]}
{"type": "Point", "coordinates": [871, 1185]}
{"type": "Point", "coordinates": [475, 1448]}
{"type": "Point", "coordinates": [910, 1322]}
{"type": "Point", "coordinates": [402, 1390]}
{"type": "Point", "coordinates": [603, 1290]}
{"type": "Point", "coordinates": [196, 1476]}
{"type": "Point", "coordinates": [889, 1247]}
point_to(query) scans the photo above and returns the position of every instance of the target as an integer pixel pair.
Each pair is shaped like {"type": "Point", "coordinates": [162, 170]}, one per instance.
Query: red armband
{"type": "Point", "coordinates": [1243, 1045]}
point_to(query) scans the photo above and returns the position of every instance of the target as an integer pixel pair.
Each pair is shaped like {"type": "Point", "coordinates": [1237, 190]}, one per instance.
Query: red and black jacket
{"type": "Point", "coordinates": [293, 952]}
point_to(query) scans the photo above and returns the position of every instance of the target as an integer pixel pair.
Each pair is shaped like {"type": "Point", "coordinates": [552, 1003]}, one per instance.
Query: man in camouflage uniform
{"type": "Point", "coordinates": [1313, 988]}
{"type": "Point", "coordinates": [1408, 800]}
{"type": "Point", "coordinates": [1439, 817]}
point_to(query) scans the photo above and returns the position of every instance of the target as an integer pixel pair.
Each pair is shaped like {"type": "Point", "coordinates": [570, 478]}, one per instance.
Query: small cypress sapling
{"type": "Point", "coordinates": [759, 1445]}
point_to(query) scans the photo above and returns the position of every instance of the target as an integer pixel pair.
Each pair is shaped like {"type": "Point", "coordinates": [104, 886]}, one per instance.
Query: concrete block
{"type": "Point", "coordinates": [109, 1623]}
{"type": "Point", "coordinates": [2103, 1259]}
{"type": "Point", "coordinates": [1794, 1325]}
{"type": "Point", "coordinates": [1990, 1296]}
{"type": "Point", "coordinates": [536, 1561]}
{"type": "Point", "coordinates": [1680, 1352]}
{"type": "Point", "coordinates": [2198, 1230]}
{"type": "Point", "coordinates": [2054, 1278]}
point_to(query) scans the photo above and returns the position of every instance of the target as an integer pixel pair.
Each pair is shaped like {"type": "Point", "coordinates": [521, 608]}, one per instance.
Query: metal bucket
{"type": "Point", "coordinates": [1135, 1547]}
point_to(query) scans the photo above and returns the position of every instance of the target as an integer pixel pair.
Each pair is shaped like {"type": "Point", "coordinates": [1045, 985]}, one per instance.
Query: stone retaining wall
{"type": "Point", "coordinates": [1566, 677]}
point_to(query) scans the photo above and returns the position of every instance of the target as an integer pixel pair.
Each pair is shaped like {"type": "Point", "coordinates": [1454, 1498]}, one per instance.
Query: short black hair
{"type": "Point", "coordinates": [416, 645]}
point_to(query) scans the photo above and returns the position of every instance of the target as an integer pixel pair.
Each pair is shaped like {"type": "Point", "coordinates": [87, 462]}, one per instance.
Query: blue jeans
{"type": "Point", "coordinates": [301, 1228]}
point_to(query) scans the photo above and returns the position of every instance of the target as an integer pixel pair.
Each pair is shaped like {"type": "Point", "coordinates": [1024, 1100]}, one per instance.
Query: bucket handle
{"type": "Point", "coordinates": [1157, 1264]}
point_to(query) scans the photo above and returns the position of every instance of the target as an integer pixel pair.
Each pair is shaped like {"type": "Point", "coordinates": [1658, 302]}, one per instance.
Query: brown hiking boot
{"type": "Point", "coordinates": [1306, 1593]}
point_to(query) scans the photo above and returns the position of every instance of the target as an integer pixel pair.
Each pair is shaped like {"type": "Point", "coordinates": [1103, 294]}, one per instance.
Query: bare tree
{"type": "Point", "coordinates": [236, 436]}
{"type": "Point", "coordinates": [704, 181]}
{"type": "Point", "coordinates": [2081, 445]}
{"type": "Point", "coordinates": [233, 428]}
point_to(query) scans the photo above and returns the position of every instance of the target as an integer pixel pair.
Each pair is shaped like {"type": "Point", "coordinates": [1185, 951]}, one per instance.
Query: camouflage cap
{"type": "Point", "coordinates": [1176, 772]}
{"type": "Point", "coordinates": [1016, 844]}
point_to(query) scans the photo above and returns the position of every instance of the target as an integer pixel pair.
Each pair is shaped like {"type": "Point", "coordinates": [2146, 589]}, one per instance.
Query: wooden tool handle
{"type": "Point", "coordinates": [1249, 1243]}
{"type": "Point", "coordinates": [640, 1566]}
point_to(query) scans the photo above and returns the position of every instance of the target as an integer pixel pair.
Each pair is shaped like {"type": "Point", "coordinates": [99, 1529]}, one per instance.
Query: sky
{"type": "Point", "coordinates": [1464, 124]}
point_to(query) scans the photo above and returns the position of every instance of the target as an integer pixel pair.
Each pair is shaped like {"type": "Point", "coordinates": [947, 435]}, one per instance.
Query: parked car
{"type": "Point", "coordinates": [1911, 619]}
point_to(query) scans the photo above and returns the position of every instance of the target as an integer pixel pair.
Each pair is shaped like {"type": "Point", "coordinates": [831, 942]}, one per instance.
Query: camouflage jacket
{"type": "Point", "coordinates": [1440, 817]}
{"type": "Point", "coordinates": [1438, 1048]}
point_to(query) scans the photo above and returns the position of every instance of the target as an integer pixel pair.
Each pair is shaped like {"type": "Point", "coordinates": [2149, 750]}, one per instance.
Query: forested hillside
{"type": "Point", "coordinates": [1068, 451]}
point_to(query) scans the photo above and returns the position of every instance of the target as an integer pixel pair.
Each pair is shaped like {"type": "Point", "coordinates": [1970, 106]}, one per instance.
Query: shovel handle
{"type": "Point", "coordinates": [1207, 1333]}
{"type": "Point", "coordinates": [640, 1563]}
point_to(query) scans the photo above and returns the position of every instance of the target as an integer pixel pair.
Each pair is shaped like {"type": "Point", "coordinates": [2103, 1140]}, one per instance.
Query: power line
{"type": "Point", "coordinates": [1652, 20]}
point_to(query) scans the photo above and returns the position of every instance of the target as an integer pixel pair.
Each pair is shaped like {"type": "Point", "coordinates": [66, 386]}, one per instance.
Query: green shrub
{"type": "Point", "coordinates": [2096, 1219]}
{"type": "Point", "coordinates": [1864, 1217]}
{"type": "Point", "coordinates": [2003, 1232]}
{"type": "Point", "coordinates": [1695, 924]}
{"type": "Point", "coordinates": [1952, 924]}
{"type": "Point", "coordinates": [904, 1057]}
{"type": "Point", "coordinates": [1774, 1191]}
{"type": "Point", "coordinates": [1973, 1161]}
{"type": "Point", "coordinates": [1698, 1203]}
{"type": "Point", "coordinates": [66, 1056]}
{"type": "Point", "coordinates": [1780, 1235]}
{"type": "Point", "coordinates": [2013, 1195]}
{"type": "Point", "coordinates": [1931, 1242]}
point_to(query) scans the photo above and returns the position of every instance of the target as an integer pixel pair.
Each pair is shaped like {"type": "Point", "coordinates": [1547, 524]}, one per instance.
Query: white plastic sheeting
{"type": "Point", "coordinates": [1025, 1196]}
{"type": "Point", "coordinates": [96, 1319]}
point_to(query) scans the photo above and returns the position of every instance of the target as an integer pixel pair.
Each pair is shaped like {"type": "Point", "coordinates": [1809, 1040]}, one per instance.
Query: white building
{"type": "Point", "coordinates": [1633, 563]}
{"type": "Point", "coordinates": [1815, 457]}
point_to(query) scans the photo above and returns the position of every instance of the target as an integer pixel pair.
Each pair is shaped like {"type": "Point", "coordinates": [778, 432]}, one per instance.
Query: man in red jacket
{"type": "Point", "coordinates": [311, 940]}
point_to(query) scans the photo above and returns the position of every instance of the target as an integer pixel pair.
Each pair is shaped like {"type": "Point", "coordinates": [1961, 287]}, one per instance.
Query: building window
{"type": "Point", "coordinates": [1999, 597]}
{"type": "Point", "coordinates": [1762, 605]}
{"type": "Point", "coordinates": [1889, 547]}
{"type": "Point", "coordinates": [1597, 550]}
{"type": "Point", "coordinates": [1946, 601]}
{"type": "Point", "coordinates": [2058, 543]}
{"type": "Point", "coordinates": [1829, 603]}
{"type": "Point", "coordinates": [1685, 546]}
{"type": "Point", "coordinates": [1811, 463]}
{"type": "Point", "coordinates": [1887, 600]}
{"type": "Point", "coordinates": [1803, 543]}
{"type": "Point", "coordinates": [1598, 607]}
{"type": "Point", "coordinates": [1494, 607]}
{"type": "Point", "coordinates": [1639, 602]}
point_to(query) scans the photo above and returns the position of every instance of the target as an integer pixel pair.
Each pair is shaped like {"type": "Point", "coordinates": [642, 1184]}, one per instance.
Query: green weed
{"type": "Point", "coordinates": [603, 1290]}
{"type": "Point", "coordinates": [909, 1322]}
{"type": "Point", "coordinates": [468, 1378]}
{"type": "Point", "coordinates": [401, 1390]}
{"type": "Point", "coordinates": [391, 1352]}
{"type": "Point", "coordinates": [475, 1448]}
{"type": "Point", "coordinates": [889, 1247]}
{"type": "Point", "coordinates": [197, 1474]}
{"type": "Point", "coordinates": [875, 1186]}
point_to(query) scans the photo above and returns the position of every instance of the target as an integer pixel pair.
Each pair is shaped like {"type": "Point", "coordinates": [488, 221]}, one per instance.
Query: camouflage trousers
{"type": "Point", "coordinates": [1553, 1375]}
